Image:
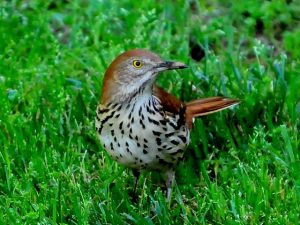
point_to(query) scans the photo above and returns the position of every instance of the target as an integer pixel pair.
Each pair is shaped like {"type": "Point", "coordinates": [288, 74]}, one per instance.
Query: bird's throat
{"type": "Point", "coordinates": [132, 94]}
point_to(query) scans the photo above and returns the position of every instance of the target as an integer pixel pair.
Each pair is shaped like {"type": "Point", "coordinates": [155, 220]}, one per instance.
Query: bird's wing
{"type": "Point", "coordinates": [188, 111]}
{"type": "Point", "coordinates": [169, 102]}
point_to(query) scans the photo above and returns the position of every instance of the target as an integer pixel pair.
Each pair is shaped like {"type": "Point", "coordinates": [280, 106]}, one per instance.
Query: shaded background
{"type": "Point", "coordinates": [242, 165]}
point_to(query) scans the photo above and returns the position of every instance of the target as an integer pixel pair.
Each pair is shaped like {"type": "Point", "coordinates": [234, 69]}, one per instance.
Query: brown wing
{"type": "Point", "coordinates": [194, 108]}
{"type": "Point", "coordinates": [169, 102]}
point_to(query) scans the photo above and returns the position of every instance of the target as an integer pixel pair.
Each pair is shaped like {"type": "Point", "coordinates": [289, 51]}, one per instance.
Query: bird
{"type": "Point", "coordinates": [139, 124]}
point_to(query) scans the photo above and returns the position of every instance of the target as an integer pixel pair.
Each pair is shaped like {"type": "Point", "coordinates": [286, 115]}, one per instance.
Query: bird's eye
{"type": "Point", "coordinates": [137, 63]}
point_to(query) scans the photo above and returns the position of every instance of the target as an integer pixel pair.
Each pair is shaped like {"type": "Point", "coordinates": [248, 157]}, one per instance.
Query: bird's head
{"type": "Point", "coordinates": [131, 72]}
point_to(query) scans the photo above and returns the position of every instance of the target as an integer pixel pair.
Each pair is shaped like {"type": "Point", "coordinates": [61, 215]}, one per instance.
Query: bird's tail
{"type": "Point", "coordinates": [207, 106]}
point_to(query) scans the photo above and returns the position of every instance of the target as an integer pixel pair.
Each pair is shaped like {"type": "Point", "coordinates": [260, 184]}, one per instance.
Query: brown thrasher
{"type": "Point", "coordinates": [139, 124]}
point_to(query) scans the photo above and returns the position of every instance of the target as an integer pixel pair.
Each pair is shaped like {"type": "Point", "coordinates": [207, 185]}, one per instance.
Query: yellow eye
{"type": "Point", "coordinates": [137, 63]}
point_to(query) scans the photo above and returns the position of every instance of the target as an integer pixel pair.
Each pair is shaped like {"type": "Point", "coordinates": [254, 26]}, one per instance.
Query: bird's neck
{"type": "Point", "coordinates": [129, 95]}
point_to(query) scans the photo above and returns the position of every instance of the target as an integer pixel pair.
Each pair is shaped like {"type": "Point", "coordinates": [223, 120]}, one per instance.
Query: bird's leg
{"type": "Point", "coordinates": [170, 179]}
{"type": "Point", "coordinates": [136, 175]}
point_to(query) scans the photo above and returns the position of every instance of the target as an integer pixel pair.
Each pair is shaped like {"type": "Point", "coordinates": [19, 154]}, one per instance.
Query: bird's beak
{"type": "Point", "coordinates": [168, 65]}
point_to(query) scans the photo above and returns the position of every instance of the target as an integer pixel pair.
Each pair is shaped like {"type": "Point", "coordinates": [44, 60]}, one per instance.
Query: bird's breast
{"type": "Point", "coordinates": [141, 135]}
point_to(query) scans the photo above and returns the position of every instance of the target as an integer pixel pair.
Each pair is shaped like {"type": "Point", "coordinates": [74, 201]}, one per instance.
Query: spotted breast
{"type": "Point", "coordinates": [141, 134]}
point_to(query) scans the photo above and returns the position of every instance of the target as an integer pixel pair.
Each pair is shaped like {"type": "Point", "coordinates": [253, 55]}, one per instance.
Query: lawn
{"type": "Point", "coordinates": [242, 166]}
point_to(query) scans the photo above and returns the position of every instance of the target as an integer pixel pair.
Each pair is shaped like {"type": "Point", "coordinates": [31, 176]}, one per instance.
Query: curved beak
{"type": "Point", "coordinates": [168, 65]}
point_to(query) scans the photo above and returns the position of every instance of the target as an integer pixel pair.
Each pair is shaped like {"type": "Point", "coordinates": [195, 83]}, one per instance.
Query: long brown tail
{"type": "Point", "coordinates": [207, 106]}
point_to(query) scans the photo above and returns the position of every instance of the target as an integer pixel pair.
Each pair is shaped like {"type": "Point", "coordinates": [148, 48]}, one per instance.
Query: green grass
{"type": "Point", "coordinates": [242, 166]}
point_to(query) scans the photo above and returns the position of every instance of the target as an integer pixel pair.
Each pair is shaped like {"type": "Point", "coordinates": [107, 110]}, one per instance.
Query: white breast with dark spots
{"type": "Point", "coordinates": [141, 135]}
